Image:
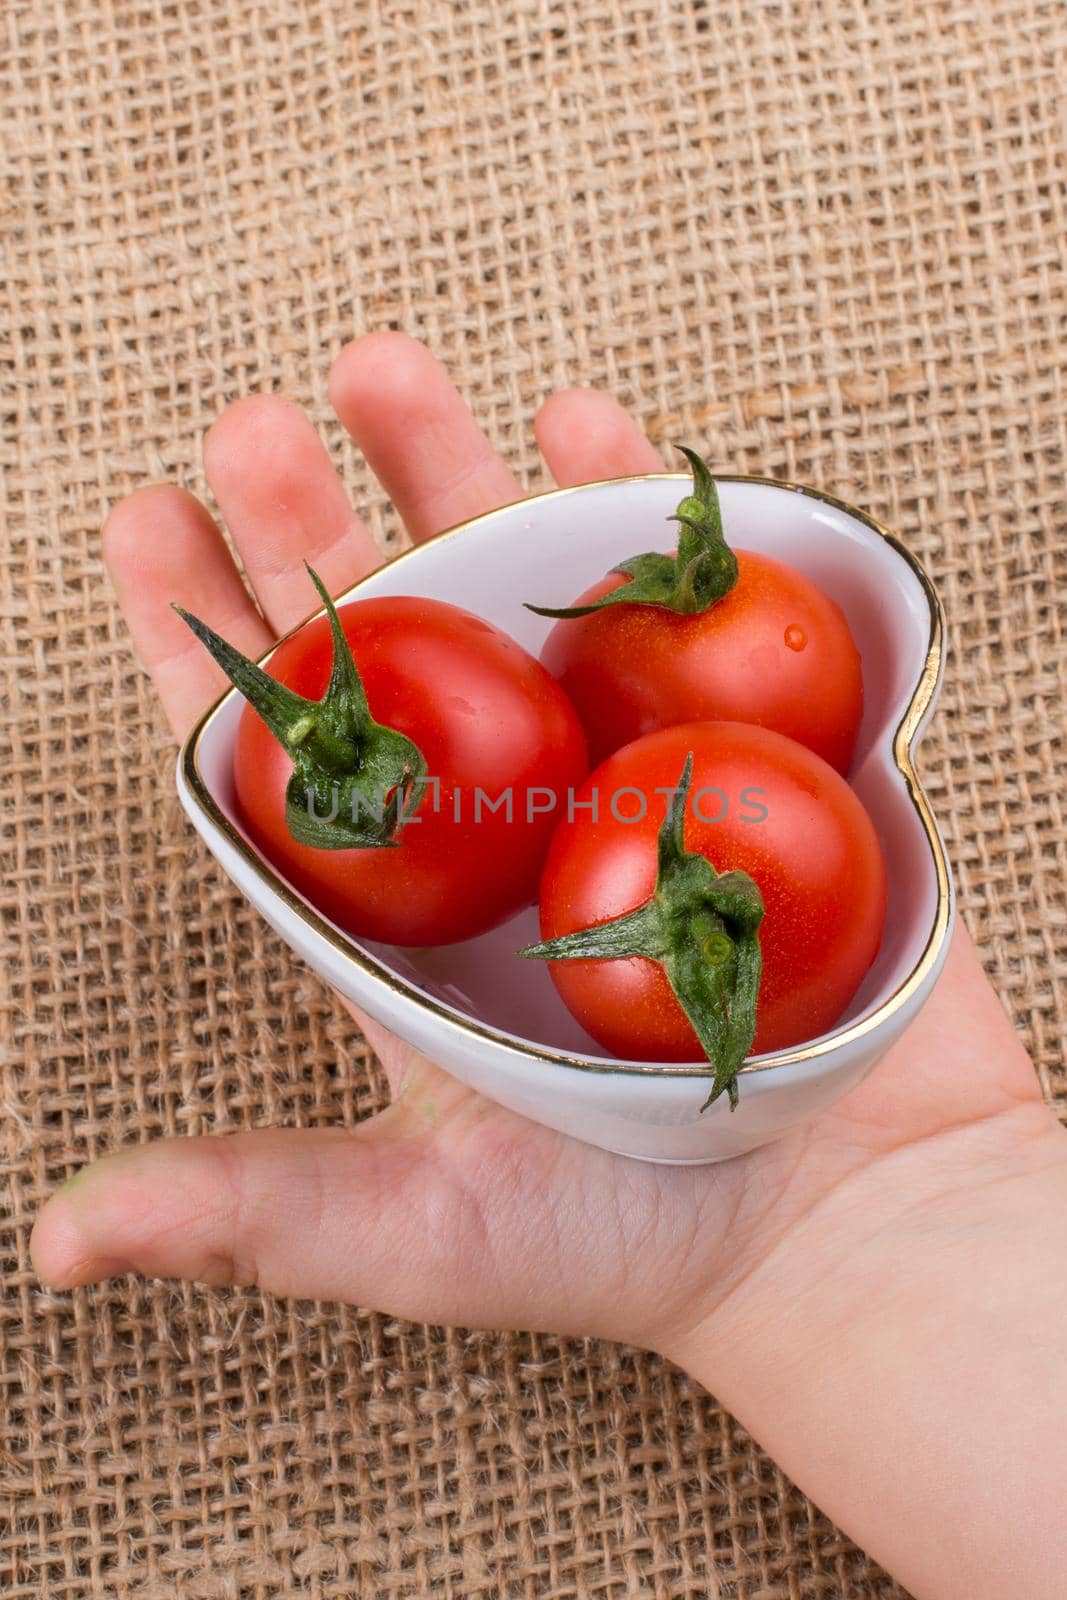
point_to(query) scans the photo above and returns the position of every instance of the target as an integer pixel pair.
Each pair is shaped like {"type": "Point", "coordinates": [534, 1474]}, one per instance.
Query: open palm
{"type": "Point", "coordinates": [445, 1207]}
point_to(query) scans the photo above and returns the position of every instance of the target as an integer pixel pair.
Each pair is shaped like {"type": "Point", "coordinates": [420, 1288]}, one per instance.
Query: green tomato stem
{"type": "Point", "coordinates": [352, 778]}
{"type": "Point", "coordinates": [700, 573]}
{"type": "Point", "coordinates": [702, 928]}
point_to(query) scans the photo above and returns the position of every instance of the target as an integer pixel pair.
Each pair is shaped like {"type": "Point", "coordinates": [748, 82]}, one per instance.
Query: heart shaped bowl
{"type": "Point", "coordinates": [496, 1021]}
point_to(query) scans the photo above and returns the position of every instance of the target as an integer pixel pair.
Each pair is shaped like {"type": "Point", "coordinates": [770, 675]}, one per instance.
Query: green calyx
{"type": "Point", "coordinates": [353, 780]}
{"type": "Point", "coordinates": [703, 929]}
{"type": "Point", "coordinates": [701, 572]}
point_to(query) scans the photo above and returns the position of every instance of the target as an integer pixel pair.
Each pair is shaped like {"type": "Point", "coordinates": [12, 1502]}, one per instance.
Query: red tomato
{"type": "Point", "coordinates": [487, 719]}
{"type": "Point", "coordinates": [775, 651]}
{"type": "Point", "coordinates": [782, 815]}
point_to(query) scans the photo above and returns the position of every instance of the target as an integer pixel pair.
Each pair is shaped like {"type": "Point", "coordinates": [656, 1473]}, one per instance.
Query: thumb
{"type": "Point", "coordinates": [410, 1212]}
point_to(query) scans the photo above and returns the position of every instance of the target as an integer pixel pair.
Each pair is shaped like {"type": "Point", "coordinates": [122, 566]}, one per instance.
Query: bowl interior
{"type": "Point", "coordinates": [548, 549]}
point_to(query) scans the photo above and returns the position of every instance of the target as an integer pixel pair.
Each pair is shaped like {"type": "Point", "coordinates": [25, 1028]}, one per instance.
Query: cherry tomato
{"type": "Point", "coordinates": [489, 722]}
{"type": "Point", "coordinates": [760, 804]}
{"type": "Point", "coordinates": [775, 651]}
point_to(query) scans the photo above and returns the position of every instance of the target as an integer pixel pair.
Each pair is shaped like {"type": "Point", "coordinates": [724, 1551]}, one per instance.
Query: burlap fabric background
{"type": "Point", "coordinates": [825, 238]}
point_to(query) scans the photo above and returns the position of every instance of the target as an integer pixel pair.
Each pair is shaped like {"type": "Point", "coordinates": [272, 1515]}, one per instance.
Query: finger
{"type": "Point", "coordinates": [161, 546]}
{"type": "Point", "coordinates": [284, 504]}
{"type": "Point", "coordinates": [417, 434]}
{"type": "Point", "coordinates": [400, 1061]}
{"type": "Point", "coordinates": [390, 1214]}
{"type": "Point", "coordinates": [584, 435]}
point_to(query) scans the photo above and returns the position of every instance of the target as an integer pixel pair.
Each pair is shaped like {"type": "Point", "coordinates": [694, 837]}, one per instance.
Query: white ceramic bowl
{"type": "Point", "coordinates": [496, 1021]}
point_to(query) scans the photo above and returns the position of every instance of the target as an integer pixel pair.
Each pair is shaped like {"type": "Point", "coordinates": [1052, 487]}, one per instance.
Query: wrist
{"type": "Point", "coordinates": [847, 1235]}
{"type": "Point", "coordinates": [892, 1349]}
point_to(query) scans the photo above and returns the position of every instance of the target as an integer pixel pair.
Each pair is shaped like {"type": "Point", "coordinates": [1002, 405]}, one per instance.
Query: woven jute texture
{"type": "Point", "coordinates": [825, 238]}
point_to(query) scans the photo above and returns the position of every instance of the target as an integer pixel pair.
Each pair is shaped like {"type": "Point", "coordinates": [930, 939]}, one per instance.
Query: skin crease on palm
{"type": "Point", "coordinates": [849, 1261]}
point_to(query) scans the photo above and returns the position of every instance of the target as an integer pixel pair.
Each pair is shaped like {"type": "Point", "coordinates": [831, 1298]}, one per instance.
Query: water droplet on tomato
{"type": "Point", "coordinates": [795, 637]}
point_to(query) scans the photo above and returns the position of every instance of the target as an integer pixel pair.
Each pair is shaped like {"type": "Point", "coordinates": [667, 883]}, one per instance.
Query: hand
{"type": "Point", "coordinates": [446, 1208]}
